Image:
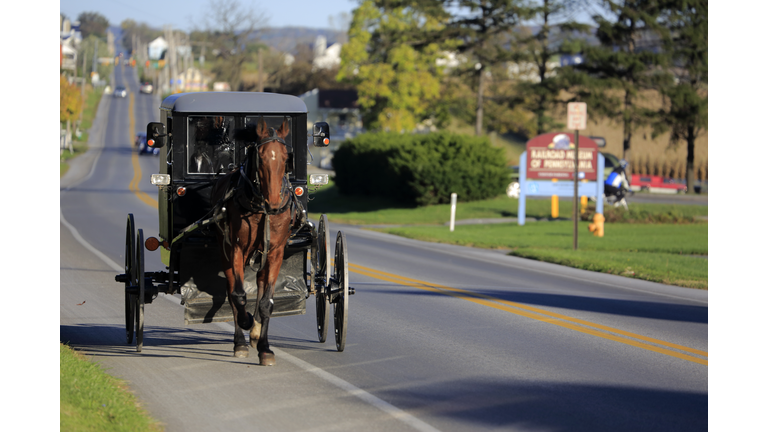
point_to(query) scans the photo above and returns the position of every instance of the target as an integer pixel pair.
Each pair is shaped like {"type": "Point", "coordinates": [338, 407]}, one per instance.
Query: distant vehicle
{"type": "Point", "coordinates": [121, 92]}
{"type": "Point", "coordinates": [658, 184]}
{"type": "Point", "coordinates": [142, 147]}
{"type": "Point", "coordinates": [146, 88]}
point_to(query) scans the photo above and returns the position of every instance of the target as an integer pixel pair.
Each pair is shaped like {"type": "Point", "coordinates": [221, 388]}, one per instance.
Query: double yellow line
{"type": "Point", "coordinates": [542, 315]}
{"type": "Point", "coordinates": [134, 185]}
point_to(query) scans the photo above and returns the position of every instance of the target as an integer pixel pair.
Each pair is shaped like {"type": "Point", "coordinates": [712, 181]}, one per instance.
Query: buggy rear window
{"type": "Point", "coordinates": [210, 144]}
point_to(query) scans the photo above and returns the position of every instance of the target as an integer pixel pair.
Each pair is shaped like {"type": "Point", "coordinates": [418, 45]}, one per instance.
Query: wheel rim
{"type": "Point", "coordinates": [341, 303]}
{"type": "Point", "coordinates": [322, 265]}
{"type": "Point", "coordinates": [140, 296]}
{"type": "Point", "coordinates": [130, 268]}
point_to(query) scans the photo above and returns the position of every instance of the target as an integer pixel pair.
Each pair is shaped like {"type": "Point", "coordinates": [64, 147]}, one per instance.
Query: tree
{"type": "Point", "coordinates": [231, 27]}
{"type": "Point", "coordinates": [478, 28]}
{"type": "Point", "coordinates": [93, 23]}
{"type": "Point", "coordinates": [392, 63]}
{"type": "Point", "coordinates": [70, 104]}
{"type": "Point", "coordinates": [554, 33]}
{"type": "Point", "coordinates": [614, 75]}
{"type": "Point", "coordinates": [685, 96]}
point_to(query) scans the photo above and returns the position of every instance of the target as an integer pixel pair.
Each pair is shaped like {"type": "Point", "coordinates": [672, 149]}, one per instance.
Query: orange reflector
{"type": "Point", "coordinates": [326, 141]}
{"type": "Point", "coordinates": [151, 143]}
{"type": "Point", "coordinates": [181, 191]}
{"type": "Point", "coordinates": [299, 191]}
{"type": "Point", "coordinates": [152, 243]}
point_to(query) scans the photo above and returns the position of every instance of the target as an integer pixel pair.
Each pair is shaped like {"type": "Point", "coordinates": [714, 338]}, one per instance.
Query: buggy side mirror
{"type": "Point", "coordinates": [156, 135]}
{"type": "Point", "coordinates": [321, 134]}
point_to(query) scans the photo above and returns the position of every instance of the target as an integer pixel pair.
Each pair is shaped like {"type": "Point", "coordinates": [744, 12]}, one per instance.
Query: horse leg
{"type": "Point", "coordinates": [238, 300]}
{"type": "Point", "coordinates": [265, 303]}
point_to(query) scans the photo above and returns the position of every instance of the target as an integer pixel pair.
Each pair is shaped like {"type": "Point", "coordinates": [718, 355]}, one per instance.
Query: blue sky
{"type": "Point", "coordinates": [182, 14]}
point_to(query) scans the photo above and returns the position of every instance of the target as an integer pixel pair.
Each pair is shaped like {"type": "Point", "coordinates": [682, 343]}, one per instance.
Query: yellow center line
{"type": "Point", "coordinates": [134, 185]}
{"type": "Point", "coordinates": [540, 315]}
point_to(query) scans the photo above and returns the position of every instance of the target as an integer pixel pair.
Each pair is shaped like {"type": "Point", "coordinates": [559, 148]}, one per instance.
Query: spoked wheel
{"type": "Point", "coordinates": [140, 293]}
{"type": "Point", "coordinates": [130, 274]}
{"type": "Point", "coordinates": [322, 268]}
{"type": "Point", "coordinates": [340, 291]}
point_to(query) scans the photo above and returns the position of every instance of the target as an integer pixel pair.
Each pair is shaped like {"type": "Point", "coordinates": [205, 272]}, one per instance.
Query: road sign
{"type": "Point", "coordinates": [577, 115]}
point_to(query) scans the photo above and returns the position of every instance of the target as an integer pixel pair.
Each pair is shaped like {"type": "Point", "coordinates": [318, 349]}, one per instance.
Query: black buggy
{"type": "Point", "coordinates": [199, 143]}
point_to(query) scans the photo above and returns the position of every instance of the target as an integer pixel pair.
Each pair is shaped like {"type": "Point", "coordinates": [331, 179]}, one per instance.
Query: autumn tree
{"type": "Point", "coordinates": [684, 112]}
{"type": "Point", "coordinates": [70, 103]}
{"type": "Point", "coordinates": [392, 64]}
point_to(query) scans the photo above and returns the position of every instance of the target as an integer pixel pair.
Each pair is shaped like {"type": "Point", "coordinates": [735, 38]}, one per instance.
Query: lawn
{"type": "Point", "coordinates": [663, 243]}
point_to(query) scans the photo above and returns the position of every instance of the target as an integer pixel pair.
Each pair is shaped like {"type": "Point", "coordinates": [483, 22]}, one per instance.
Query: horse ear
{"type": "Point", "coordinates": [284, 129]}
{"type": "Point", "coordinates": [261, 128]}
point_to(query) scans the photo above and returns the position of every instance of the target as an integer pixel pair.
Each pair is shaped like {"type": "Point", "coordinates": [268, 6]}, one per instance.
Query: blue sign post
{"type": "Point", "coordinates": [559, 188]}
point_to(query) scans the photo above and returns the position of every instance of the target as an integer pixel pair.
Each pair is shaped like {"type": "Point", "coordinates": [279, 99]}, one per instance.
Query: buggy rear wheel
{"type": "Point", "coordinates": [130, 278]}
{"type": "Point", "coordinates": [340, 291]}
{"type": "Point", "coordinates": [140, 293]}
{"type": "Point", "coordinates": [322, 267]}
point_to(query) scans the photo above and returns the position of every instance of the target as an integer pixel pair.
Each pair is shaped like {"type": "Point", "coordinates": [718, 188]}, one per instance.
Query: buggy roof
{"type": "Point", "coordinates": [234, 102]}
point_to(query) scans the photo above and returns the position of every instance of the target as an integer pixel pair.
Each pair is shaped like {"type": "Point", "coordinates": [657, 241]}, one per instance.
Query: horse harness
{"type": "Point", "coordinates": [246, 193]}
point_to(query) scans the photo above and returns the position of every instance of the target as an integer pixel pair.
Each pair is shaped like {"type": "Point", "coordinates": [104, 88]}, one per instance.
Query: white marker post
{"type": "Point", "coordinates": [453, 210]}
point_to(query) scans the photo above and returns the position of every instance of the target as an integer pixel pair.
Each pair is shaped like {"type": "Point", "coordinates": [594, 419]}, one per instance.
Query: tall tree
{"type": "Point", "coordinates": [479, 28]}
{"type": "Point", "coordinates": [551, 33]}
{"type": "Point", "coordinates": [685, 96]}
{"type": "Point", "coordinates": [231, 27]}
{"type": "Point", "coordinates": [614, 74]}
{"type": "Point", "coordinates": [93, 23]}
{"type": "Point", "coordinates": [392, 62]}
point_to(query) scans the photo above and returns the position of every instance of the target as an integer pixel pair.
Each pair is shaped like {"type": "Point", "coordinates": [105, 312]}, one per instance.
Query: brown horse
{"type": "Point", "coordinates": [256, 223]}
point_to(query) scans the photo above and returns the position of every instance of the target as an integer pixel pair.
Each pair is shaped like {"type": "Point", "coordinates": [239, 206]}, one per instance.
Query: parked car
{"type": "Point", "coordinates": [142, 147]}
{"type": "Point", "coordinates": [146, 88]}
{"type": "Point", "coordinates": [121, 92]}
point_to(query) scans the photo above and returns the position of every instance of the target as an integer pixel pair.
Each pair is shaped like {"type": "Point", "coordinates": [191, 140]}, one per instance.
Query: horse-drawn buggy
{"type": "Point", "coordinates": [234, 234]}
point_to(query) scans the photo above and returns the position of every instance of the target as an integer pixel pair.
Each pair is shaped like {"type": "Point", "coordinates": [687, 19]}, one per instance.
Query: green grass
{"type": "Point", "coordinates": [366, 210]}
{"type": "Point", "coordinates": [665, 253]}
{"type": "Point", "coordinates": [91, 400]}
{"type": "Point", "coordinates": [653, 242]}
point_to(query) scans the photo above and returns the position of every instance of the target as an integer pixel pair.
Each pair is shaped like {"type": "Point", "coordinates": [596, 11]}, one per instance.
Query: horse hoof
{"type": "Point", "coordinates": [266, 359]}
{"type": "Point", "coordinates": [241, 351]}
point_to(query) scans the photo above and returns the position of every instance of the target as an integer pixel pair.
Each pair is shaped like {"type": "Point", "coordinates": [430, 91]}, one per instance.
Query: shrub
{"type": "Point", "coordinates": [420, 169]}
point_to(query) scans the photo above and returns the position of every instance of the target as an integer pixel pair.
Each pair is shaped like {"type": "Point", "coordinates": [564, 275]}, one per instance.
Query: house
{"type": "Point", "coordinates": [339, 109]}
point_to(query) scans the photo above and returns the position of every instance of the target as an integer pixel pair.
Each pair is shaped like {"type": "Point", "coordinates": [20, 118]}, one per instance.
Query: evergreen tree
{"type": "Point", "coordinates": [684, 112]}
{"type": "Point", "coordinates": [614, 75]}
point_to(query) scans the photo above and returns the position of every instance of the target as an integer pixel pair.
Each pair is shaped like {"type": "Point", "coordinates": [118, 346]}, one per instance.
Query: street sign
{"type": "Point", "coordinates": [551, 156]}
{"type": "Point", "coordinates": [577, 115]}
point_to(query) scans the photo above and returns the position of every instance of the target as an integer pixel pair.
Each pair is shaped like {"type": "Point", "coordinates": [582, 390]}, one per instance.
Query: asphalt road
{"type": "Point", "coordinates": [440, 337]}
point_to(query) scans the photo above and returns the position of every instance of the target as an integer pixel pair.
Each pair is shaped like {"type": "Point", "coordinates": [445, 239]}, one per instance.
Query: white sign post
{"type": "Point", "coordinates": [577, 120]}
{"type": "Point", "coordinates": [453, 210]}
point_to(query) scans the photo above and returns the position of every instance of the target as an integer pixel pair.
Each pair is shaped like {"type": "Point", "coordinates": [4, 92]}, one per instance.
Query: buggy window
{"type": "Point", "coordinates": [210, 144]}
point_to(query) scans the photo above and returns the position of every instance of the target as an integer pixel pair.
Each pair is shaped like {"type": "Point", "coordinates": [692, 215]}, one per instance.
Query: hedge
{"type": "Point", "coordinates": [420, 169]}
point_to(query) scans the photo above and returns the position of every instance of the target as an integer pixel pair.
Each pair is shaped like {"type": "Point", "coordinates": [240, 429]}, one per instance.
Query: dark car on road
{"type": "Point", "coordinates": [142, 147]}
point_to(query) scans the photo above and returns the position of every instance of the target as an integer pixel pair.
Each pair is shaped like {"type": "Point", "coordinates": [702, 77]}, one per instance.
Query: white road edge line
{"type": "Point", "coordinates": [338, 382]}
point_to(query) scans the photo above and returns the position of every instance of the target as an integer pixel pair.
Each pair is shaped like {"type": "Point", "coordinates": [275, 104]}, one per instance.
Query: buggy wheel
{"type": "Point", "coordinates": [341, 291]}
{"type": "Point", "coordinates": [322, 265]}
{"type": "Point", "coordinates": [140, 294]}
{"type": "Point", "coordinates": [130, 268]}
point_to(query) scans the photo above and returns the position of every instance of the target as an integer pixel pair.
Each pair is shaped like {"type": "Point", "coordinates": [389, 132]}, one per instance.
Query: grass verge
{"type": "Point", "coordinates": [667, 253]}
{"type": "Point", "coordinates": [91, 400]}
{"type": "Point", "coordinates": [655, 242]}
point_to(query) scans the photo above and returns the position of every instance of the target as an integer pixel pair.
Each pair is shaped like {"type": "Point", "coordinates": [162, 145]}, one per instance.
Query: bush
{"type": "Point", "coordinates": [422, 169]}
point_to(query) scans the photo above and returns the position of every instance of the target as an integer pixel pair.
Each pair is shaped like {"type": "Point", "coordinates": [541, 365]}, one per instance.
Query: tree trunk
{"type": "Point", "coordinates": [689, 170]}
{"type": "Point", "coordinates": [479, 113]}
{"type": "Point", "coordinates": [627, 155]}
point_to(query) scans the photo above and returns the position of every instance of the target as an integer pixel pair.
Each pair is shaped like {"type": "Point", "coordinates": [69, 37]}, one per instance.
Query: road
{"type": "Point", "coordinates": [440, 337]}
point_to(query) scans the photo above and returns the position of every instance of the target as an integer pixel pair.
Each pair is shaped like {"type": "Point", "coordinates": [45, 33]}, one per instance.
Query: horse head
{"type": "Point", "coordinates": [272, 152]}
